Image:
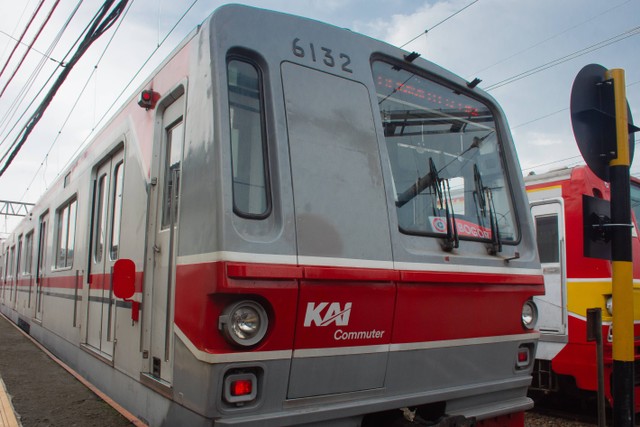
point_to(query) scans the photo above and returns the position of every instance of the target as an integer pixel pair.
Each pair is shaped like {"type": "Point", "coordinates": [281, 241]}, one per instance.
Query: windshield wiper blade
{"type": "Point", "coordinates": [424, 182]}
{"type": "Point", "coordinates": [453, 241]}
{"type": "Point", "coordinates": [443, 194]}
{"type": "Point", "coordinates": [496, 241]}
{"type": "Point", "coordinates": [479, 196]}
{"type": "Point", "coordinates": [483, 197]}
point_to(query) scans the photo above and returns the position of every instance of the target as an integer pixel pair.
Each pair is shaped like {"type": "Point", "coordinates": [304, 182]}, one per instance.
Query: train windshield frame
{"type": "Point", "coordinates": [446, 159]}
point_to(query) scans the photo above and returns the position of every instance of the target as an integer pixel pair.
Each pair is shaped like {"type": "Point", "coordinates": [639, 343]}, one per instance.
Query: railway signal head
{"type": "Point", "coordinates": [148, 99]}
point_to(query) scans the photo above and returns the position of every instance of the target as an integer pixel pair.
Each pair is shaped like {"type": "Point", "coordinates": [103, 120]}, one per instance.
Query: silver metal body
{"type": "Point", "coordinates": [441, 326]}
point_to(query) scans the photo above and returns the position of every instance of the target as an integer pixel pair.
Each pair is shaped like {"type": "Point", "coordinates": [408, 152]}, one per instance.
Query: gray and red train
{"type": "Point", "coordinates": [315, 228]}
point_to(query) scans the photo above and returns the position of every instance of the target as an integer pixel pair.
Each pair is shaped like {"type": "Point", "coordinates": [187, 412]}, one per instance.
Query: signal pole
{"type": "Point", "coordinates": [622, 262]}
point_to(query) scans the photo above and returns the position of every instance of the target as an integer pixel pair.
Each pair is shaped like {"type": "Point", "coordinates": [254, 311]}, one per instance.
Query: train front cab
{"type": "Point", "coordinates": [324, 229]}
{"type": "Point", "coordinates": [335, 236]}
{"type": "Point", "coordinates": [565, 361]}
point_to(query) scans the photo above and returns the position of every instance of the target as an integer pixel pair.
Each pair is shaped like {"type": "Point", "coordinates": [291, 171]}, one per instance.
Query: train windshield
{"type": "Point", "coordinates": [444, 151]}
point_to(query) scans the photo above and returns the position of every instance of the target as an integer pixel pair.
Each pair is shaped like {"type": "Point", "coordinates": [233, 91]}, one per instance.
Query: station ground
{"type": "Point", "coordinates": [37, 390]}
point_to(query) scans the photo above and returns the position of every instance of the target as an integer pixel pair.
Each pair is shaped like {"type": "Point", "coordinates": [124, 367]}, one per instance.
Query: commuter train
{"type": "Point", "coordinates": [290, 224]}
{"type": "Point", "coordinates": [565, 361]}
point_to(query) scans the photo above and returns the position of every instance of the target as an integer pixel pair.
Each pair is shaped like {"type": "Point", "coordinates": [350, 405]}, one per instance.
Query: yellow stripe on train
{"type": "Point", "coordinates": [593, 293]}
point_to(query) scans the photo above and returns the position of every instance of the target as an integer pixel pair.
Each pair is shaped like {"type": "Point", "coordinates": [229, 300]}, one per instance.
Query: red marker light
{"type": "Point", "coordinates": [241, 387]}
{"type": "Point", "coordinates": [523, 355]}
{"type": "Point", "coordinates": [148, 99]}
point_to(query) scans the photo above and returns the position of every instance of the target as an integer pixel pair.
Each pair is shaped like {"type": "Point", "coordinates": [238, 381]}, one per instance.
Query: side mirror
{"type": "Point", "coordinates": [124, 277]}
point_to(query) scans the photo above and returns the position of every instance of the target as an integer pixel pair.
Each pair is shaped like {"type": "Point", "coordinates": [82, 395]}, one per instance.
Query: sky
{"type": "Point", "coordinates": [527, 54]}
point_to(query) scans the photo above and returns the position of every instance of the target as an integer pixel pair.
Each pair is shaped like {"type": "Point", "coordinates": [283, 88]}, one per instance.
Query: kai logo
{"type": "Point", "coordinates": [324, 314]}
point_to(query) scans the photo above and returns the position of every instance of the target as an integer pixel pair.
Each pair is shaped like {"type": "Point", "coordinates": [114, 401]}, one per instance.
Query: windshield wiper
{"type": "Point", "coordinates": [442, 192]}
{"type": "Point", "coordinates": [443, 195]}
{"type": "Point", "coordinates": [483, 197]}
{"type": "Point", "coordinates": [430, 177]}
{"type": "Point", "coordinates": [496, 241]}
{"type": "Point", "coordinates": [479, 196]}
{"type": "Point", "coordinates": [452, 241]}
{"type": "Point", "coordinates": [424, 182]}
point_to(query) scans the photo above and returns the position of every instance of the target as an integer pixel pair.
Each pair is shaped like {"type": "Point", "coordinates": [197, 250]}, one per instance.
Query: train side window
{"type": "Point", "coordinates": [11, 260]}
{"type": "Point", "coordinates": [42, 246]}
{"type": "Point", "coordinates": [248, 153]}
{"type": "Point", "coordinates": [101, 219]}
{"type": "Point", "coordinates": [28, 253]}
{"type": "Point", "coordinates": [548, 238]}
{"type": "Point", "coordinates": [116, 215]}
{"type": "Point", "coordinates": [65, 234]}
{"type": "Point", "coordinates": [175, 139]}
{"type": "Point", "coordinates": [6, 265]}
{"type": "Point", "coordinates": [18, 260]}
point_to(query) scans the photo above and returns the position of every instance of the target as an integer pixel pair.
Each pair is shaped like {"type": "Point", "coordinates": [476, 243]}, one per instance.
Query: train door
{"type": "Point", "coordinates": [18, 271]}
{"type": "Point", "coordinates": [41, 262]}
{"type": "Point", "coordinates": [548, 219]}
{"type": "Point", "coordinates": [101, 309]}
{"type": "Point", "coordinates": [159, 290]}
{"type": "Point", "coordinates": [333, 145]}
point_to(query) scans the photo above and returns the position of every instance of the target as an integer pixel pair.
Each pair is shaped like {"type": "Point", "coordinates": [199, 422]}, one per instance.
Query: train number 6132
{"type": "Point", "coordinates": [326, 55]}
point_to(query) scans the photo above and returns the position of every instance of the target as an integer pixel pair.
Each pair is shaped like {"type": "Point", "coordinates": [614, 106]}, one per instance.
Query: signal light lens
{"type": "Point", "coordinates": [523, 359]}
{"type": "Point", "coordinates": [523, 356]}
{"type": "Point", "coordinates": [240, 388]}
{"type": "Point", "coordinates": [609, 305]}
{"type": "Point", "coordinates": [244, 323]}
{"type": "Point", "coordinates": [148, 99]}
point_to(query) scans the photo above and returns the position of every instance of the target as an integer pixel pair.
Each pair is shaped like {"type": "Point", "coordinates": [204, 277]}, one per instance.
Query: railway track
{"type": "Point", "coordinates": [565, 412]}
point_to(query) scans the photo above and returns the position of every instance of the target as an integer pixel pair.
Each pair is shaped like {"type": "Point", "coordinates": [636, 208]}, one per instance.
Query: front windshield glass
{"type": "Point", "coordinates": [445, 159]}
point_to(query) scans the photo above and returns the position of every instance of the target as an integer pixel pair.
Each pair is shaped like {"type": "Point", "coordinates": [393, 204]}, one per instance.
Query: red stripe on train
{"type": "Point", "coordinates": [320, 307]}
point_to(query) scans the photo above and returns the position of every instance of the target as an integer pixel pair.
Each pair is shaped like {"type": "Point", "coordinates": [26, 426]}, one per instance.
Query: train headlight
{"type": "Point", "coordinates": [244, 323]}
{"type": "Point", "coordinates": [529, 314]}
{"type": "Point", "coordinates": [609, 305]}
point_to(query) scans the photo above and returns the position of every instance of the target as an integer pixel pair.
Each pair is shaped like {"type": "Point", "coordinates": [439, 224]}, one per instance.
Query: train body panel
{"type": "Point", "coordinates": [304, 250]}
{"type": "Point", "coordinates": [573, 282]}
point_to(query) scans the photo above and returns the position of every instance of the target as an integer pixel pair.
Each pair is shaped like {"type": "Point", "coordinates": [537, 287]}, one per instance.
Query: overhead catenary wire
{"type": "Point", "coordinates": [615, 39]}
{"type": "Point", "coordinates": [566, 159]}
{"type": "Point", "coordinates": [599, 15]}
{"type": "Point", "coordinates": [82, 144]}
{"type": "Point", "coordinates": [75, 104]}
{"type": "Point", "coordinates": [444, 20]}
{"type": "Point", "coordinates": [556, 112]}
{"type": "Point", "coordinates": [33, 16]}
{"type": "Point", "coordinates": [22, 95]}
{"type": "Point", "coordinates": [102, 21]}
{"type": "Point", "coordinates": [126, 87]}
{"type": "Point", "coordinates": [20, 42]}
{"type": "Point", "coordinates": [26, 53]}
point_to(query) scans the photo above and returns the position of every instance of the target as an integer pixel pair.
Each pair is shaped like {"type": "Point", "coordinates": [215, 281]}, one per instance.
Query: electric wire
{"type": "Point", "coordinates": [26, 87]}
{"type": "Point", "coordinates": [26, 53]}
{"type": "Point", "coordinates": [12, 110]}
{"type": "Point", "coordinates": [78, 98]}
{"type": "Point", "coordinates": [444, 20]}
{"type": "Point", "coordinates": [33, 16]}
{"type": "Point", "coordinates": [556, 112]}
{"type": "Point", "coordinates": [552, 114]}
{"type": "Point", "coordinates": [622, 36]}
{"type": "Point", "coordinates": [29, 47]}
{"type": "Point", "coordinates": [547, 39]}
{"type": "Point", "coordinates": [82, 144]}
{"type": "Point", "coordinates": [15, 29]}
{"type": "Point", "coordinates": [102, 21]}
